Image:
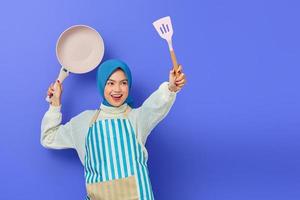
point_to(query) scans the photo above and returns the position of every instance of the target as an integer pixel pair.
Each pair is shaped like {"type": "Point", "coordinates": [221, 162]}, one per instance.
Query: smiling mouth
{"type": "Point", "coordinates": [116, 97]}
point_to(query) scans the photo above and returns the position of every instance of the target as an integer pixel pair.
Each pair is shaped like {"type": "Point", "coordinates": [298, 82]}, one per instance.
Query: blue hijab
{"type": "Point", "coordinates": [105, 70]}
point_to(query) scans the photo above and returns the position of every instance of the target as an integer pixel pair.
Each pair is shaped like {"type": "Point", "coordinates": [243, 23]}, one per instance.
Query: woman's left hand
{"type": "Point", "coordinates": [176, 83]}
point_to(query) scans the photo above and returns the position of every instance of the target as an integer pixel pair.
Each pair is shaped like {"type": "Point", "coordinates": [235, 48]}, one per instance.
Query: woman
{"type": "Point", "coordinates": [111, 141]}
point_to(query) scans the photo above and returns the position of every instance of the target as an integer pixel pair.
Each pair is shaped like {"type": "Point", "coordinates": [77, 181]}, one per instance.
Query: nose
{"type": "Point", "coordinates": [117, 88]}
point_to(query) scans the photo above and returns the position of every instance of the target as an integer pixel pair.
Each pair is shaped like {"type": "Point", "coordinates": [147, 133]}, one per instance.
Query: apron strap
{"type": "Point", "coordinates": [94, 118]}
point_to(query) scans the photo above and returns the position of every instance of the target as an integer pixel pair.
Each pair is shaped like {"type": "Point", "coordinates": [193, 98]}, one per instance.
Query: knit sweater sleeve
{"type": "Point", "coordinates": [152, 111]}
{"type": "Point", "coordinates": [55, 135]}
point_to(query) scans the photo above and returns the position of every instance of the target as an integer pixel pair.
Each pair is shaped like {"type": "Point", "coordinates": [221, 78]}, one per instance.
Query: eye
{"type": "Point", "coordinates": [124, 83]}
{"type": "Point", "coordinates": [110, 83]}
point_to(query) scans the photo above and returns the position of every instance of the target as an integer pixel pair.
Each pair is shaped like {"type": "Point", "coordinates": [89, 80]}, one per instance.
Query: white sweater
{"type": "Point", "coordinates": [55, 135]}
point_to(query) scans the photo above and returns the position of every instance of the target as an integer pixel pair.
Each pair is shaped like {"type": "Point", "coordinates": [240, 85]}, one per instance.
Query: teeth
{"type": "Point", "coordinates": [116, 95]}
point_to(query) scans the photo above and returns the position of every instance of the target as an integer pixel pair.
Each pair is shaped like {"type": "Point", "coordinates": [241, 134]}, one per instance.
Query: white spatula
{"type": "Point", "coordinates": [164, 28]}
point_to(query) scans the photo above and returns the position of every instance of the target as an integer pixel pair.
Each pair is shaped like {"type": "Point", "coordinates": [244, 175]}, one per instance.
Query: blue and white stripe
{"type": "Point", "coordinates": [113, 152]}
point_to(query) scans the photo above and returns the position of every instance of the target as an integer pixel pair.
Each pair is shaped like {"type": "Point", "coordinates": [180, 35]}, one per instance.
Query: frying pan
{"type": "Point", "coordinates": [79, 49]}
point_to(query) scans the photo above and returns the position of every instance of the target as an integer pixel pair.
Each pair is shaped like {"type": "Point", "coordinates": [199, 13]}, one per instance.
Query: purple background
{"type": "Point", "coordinates": [233, 132]}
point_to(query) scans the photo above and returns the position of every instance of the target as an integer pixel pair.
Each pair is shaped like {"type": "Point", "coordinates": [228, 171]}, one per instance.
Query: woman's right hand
{"type": "Point", "coordinates": [55, 93]}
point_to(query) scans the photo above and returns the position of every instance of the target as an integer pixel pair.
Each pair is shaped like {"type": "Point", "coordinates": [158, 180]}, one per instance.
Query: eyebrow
{"type": "Point", "coordinates": [115, 81]}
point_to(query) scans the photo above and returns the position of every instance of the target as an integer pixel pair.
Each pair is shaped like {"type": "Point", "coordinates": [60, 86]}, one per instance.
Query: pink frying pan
{"type": "Point", "coordinates": [79, 49]}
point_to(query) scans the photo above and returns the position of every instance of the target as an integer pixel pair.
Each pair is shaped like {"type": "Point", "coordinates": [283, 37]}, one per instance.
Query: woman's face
{"type": "Point", "coordinates": [116, 88]}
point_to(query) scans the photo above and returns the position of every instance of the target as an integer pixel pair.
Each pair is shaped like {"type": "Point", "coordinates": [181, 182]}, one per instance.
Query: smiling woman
{"type": "Point", "coordinates": [111, 141]}
{"type": "Point", "coordinates": [114, 82]}
{"type": "Point", "coordinates": [116, 89]}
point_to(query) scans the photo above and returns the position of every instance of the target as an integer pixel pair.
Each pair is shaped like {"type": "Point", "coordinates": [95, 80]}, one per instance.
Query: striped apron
{"type": "Point", "coordinates": [115, 165]}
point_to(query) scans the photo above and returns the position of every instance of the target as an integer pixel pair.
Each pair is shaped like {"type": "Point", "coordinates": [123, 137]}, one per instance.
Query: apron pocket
{"type": "Point", "coordinates": [118, 189]}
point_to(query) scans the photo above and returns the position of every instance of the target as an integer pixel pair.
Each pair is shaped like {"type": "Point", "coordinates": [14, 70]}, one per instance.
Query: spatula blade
{"type": "Point", "coordinates": [164, 27]}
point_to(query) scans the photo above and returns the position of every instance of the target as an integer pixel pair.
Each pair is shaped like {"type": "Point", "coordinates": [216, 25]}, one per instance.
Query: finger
{"type": "Point", "coordinates": [180, 77]}
{"type": "Point", "coordinates": [172, 72]}
{"type": "Point", "coordinates": [172, 76]}
{"type": "Point", "coordinates": [58, 82]}
{"type": "Point", "coordinates": [58, 86]}
{"type": "Point", "coordinates": [179, 69]}
{"type": "Point", "coordinates": [52, 86]}
{"type": "Point", "coordinates": [50, 94]}
{"type": "Point", "coordinates": [49, 91]}
{"type": "Point", "coordinates": [180, 86]}
{"type": "Point", "coordinates": [180, 82]}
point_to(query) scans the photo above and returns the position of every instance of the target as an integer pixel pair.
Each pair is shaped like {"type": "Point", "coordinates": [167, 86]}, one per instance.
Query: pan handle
{"type": "Point", "coordinates": [63, 73]}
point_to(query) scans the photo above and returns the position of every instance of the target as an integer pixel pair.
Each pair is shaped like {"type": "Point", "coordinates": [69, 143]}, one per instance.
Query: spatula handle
{"type": "Point", "coordinates": [174, 61]}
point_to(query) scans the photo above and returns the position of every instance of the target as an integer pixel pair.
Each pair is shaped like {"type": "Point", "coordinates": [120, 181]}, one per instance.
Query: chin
{"type": "Point", "coordinates": [117, 104]}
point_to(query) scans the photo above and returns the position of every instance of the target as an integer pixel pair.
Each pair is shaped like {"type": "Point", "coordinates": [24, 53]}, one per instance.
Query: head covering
{"type": "Point", "coordinates": [105, 70]}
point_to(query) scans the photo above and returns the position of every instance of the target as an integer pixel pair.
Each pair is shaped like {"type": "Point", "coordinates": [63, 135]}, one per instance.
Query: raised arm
{"type": "Point", "coordinates": [157, 105]}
